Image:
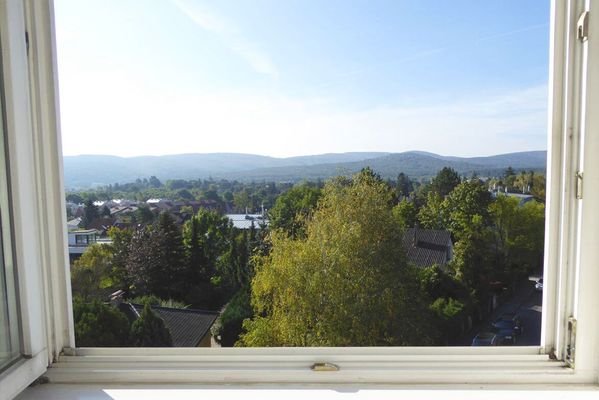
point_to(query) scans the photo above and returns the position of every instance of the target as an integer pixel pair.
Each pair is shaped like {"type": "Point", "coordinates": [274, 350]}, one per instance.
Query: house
{"type": "Point", "coordinates": [246, 221]}
{"type": "Point", "coordinates": [427, 247]}
{"type": "Point", "coordinates": [188, 327]}
{"type": "Point", "coordinates": [80, 239]}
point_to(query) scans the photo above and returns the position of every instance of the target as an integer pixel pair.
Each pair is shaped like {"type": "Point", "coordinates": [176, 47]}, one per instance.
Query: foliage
{"type": "Point", "coordinates": [99, 325]}
{"type": "Point", "coordinates": [91, 273]}
{"type": "Point", "coordinates": [156, 263]}
{"type": "Point", "coordinates": [156, 301]}
{"type": "Point", "coordinates": [346, 283]}
{"type": "Point", "coordinates": [121, 242]}
{"type": "Point", "coordinates": [431, 215]}
{"type": "Point", "coordinates": [405, 213]}
{"type": "Point", "coordinates": [149, 330]}
{"type": "Point", "coordinates": [206, 239]}
{"type": "Point", "coordinates": [404, 185]}
{"type": "Point", "coordinates": [90, 213]}
{"type": "Point", "coordinates": [445, 181]}
{"type": "Point", "coordinates": [293, 208]}
{"type": "Point", "coordinates": [449, 313]}
{"type": "Point", "coordinates": [519, 234]}
{"type": "Point", "coordinates": [228, 327]}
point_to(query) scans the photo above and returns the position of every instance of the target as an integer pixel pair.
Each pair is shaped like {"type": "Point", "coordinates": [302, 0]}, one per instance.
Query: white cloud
{"type": "Point", "coordinates": [230, 35]}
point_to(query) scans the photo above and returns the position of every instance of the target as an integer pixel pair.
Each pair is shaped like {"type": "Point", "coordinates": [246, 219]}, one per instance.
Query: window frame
{"type": "Point", "coordinates": [37, 180]}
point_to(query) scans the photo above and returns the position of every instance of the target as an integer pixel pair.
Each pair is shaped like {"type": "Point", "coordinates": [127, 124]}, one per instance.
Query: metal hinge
{"type": "Point", "coordinates": [578, 185]}
{"type": "Point", "coordinates": [571, 345]}
{"type": "Point", "coordinates": [27, 41]}
{"type": "Point", "coordinates": [583, 26]}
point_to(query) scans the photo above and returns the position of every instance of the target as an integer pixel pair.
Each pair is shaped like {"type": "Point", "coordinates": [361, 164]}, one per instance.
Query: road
{"type": "Point", "coordinates": [528, 303]}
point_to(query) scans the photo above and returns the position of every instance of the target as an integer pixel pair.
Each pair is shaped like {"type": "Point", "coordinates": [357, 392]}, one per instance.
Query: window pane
{"type": "Point", "coordinates": [305, 173]}
{"type": "Point", "coordinates": [9, 324]}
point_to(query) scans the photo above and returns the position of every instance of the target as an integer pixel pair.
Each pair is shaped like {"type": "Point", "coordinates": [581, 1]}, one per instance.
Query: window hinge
{"type": "Point", "coordinates": [578, 185]}
{"type": "Point", "coordinates": [583, 26]}
{"type": "Point", "coordinates": [27, 42]}
{"type": "Point", "coordinates": [324, 366]}
{"type": "Point", "coordinates": [571, 345]}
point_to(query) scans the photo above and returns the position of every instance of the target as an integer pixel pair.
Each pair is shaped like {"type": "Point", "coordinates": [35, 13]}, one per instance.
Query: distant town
{"type": "Point", "coordinates": [343, 261]}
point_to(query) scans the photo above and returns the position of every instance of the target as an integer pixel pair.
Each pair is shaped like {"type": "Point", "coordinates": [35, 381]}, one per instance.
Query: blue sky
{"type": "Point", "coordinates": [292, 77]}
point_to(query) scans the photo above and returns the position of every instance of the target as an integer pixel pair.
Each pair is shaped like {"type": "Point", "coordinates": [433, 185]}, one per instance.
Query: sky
{"type": "Point", "coordinates": [296, 77]}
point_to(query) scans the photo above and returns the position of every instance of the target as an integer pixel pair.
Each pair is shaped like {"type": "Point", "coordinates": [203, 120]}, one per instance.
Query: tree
{"type": "Point", "coordinates": [405, 213]}
{"type": "Point", "coordinates": [229, 325]}
{"type": "Point", "coordinates": [404, 185]}
{"type": "Point", "coordinates": [292, 208]}
{"type": "Point", "coordinates": [90, 213]}
{"type": "Point", "coordinates": [445, 181]}
{"type": "Point", "coordinates": [99, 325]}
{"type": "Point", "coordinates": [206, 238]}
{"type": "Point", "coordinates": [519, 234]}
{"type": "Point", "coordinates": [74, 198]}
{"type": "Point", "coordinates": [431, 214]}
{"type": "Point", "coordinates": [91, 275]}
{"type": "Point", "coordinates": [121, 242]}
{"type": "Point", "coordinates": [149, 330]}
{"type": "Point", "coordinates": [156, 263]}
{"type": "Point", "coordinates": [154, 182]}
{"type": "Point", "coordinates": [346, 283]}
{"type": "Point", "coordinates": [144, 215]}
{"type": "Point", "coordinates": [466, 203]}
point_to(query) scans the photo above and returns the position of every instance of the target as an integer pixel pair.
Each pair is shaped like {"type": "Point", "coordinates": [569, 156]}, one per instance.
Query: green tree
{"type": "Point", "coordinates": [144, 215]}
{"type": "Point", "coordinates": [91, 275]}
{"type": "Point", "coordinates": [154, 182]}
{"type": "Point", "coordinates": [346, 283]}
{"type": "Point", "coordinates": [404, 185]}
{"type": "Point", "coordinates": [90, 213]}
{"type": "Point", "coordinates": [149, 330]}
{"type": "Point", "coordinates": [431, 214]}
{"type": "Point", "coordinates": [206, 238]}
{"type": "Point", "coordinates": [445, 181]}
{"type": "Point", "coordinates": [405, 213]}
{"type": "Point", "coordinates": [519, 234]}
{"type": "Point", "coordinates": [292, 208]}
{"type": "Point", "coordinates": [121, 242]}
{"type": "Point", "coordinates": [228, 327]}
{"type": "Point", "coordinates": [156, 263]}
{"type": "Point", "coordinates": [468, 202]}
{"type": "Point", "coordinates": [99, 325]}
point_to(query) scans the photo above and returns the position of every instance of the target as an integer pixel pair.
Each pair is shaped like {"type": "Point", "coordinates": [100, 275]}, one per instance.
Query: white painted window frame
{"type": "Point", "coordinates": [571, 275]}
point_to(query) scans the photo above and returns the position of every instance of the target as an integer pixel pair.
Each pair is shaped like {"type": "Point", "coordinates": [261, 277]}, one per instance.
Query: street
{"type": "Point", "coordinates": [528, 304]}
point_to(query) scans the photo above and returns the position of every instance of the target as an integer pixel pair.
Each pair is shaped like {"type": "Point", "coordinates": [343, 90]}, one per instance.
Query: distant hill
{"type": "Point", "coordinates": [93, 170]}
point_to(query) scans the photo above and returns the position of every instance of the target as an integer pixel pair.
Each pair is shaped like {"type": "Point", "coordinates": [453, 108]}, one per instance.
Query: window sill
{"type": "Point", "coordinates": [457, 365]}
{"type": "Point", "coordinates": [291, 392]}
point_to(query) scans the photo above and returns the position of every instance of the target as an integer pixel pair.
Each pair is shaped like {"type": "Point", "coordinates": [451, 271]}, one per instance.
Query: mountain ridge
{"type": "Point", "coordinates": [84, 171]}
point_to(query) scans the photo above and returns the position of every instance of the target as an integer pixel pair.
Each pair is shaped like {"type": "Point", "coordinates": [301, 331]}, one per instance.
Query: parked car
{"type": "Point", "coordinates": [508, 321]}
{"type": "Point", "coordinates": [539, 285]}
{"type": "Point", "coordinates": [505, 337]}
{"type": "Point", "coordinates": [485, 339]}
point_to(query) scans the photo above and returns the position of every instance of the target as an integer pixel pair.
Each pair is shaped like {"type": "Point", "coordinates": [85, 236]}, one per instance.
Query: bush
{"type": "Point", "coordinates": [99, 325]}
{"type": "Point", "coordinates": [149, 330]}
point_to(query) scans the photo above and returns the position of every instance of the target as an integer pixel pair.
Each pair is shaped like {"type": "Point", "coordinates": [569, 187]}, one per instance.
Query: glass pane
{"type": "Point", "coordinates": [9, 323]}
{"type": "Point", "coordinates": [313, 173]}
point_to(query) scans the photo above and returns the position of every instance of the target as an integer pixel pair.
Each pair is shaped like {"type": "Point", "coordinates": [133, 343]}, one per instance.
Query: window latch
{"type": "Point", "coordinates": [583, 26]}
{"type": "Point", "coordinates": [324, 367]}
{"type": "Point", "coordinates": [571, 345]}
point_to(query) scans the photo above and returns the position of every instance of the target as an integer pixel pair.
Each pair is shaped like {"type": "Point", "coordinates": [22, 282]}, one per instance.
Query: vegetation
{"type": "Point", "coordinates": [99, 325]}
{"type": "Point", "coordinates": [347, 283]}
{"type": "Point", "coordinates": [149, 330]}
{"type": "Point", "coordinates": [327, 271]}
